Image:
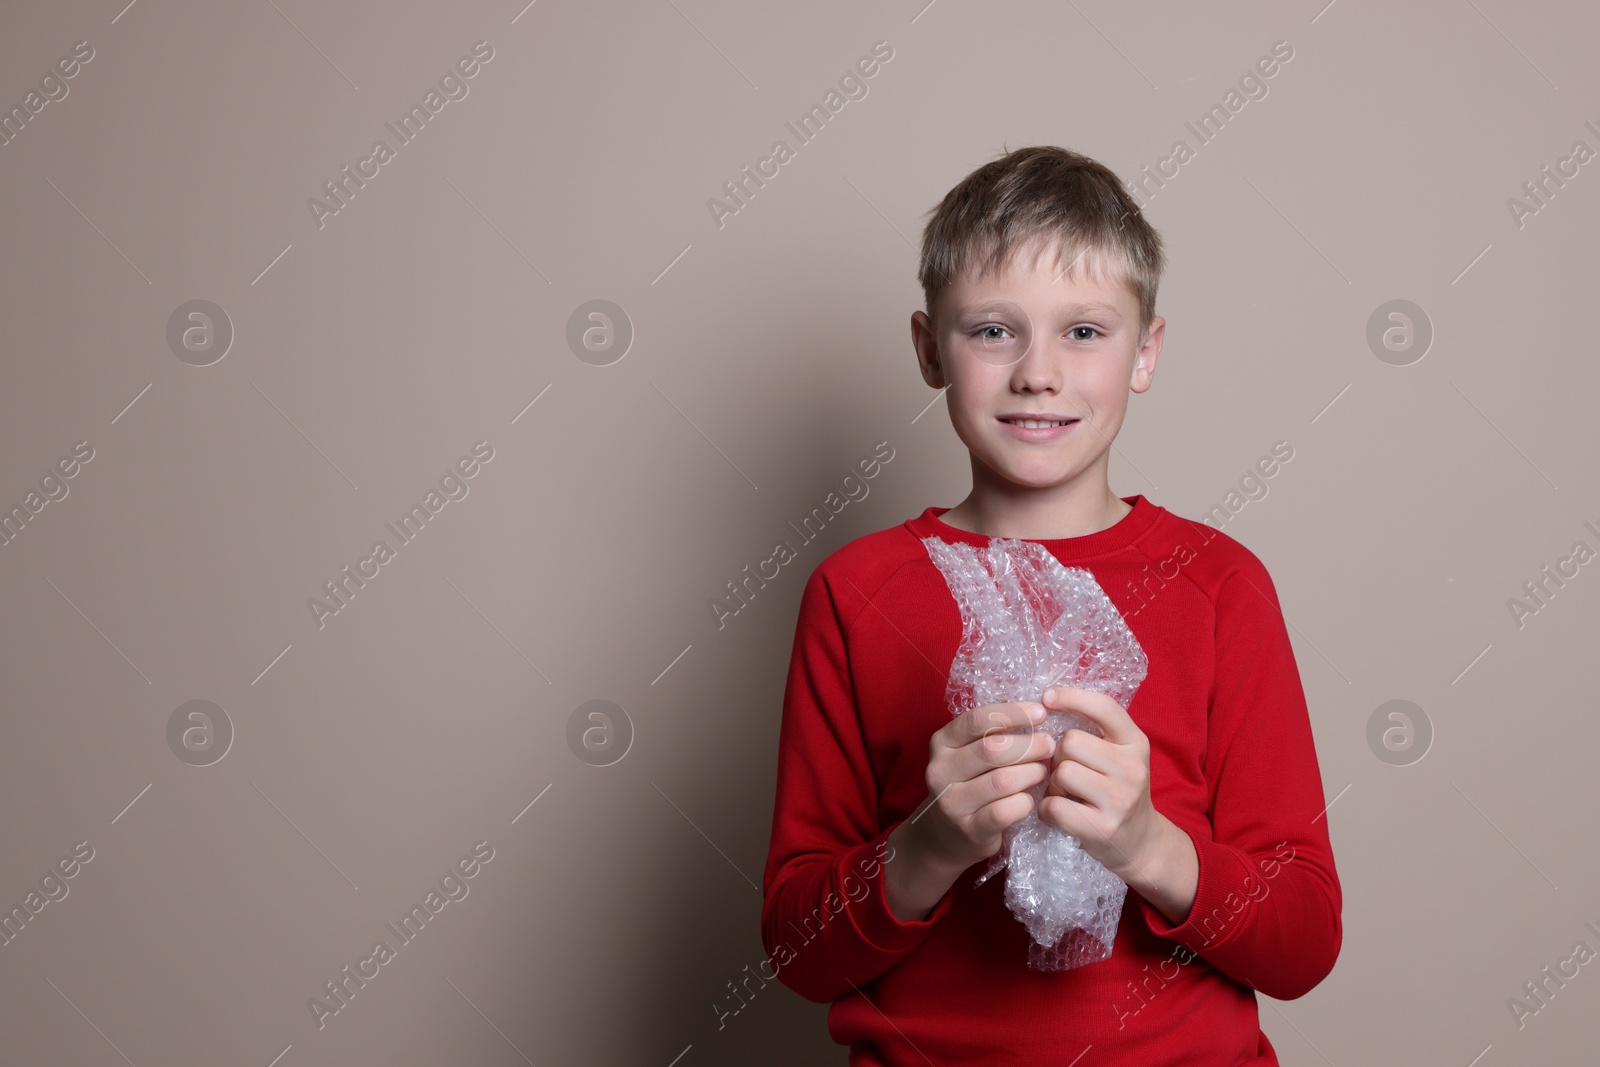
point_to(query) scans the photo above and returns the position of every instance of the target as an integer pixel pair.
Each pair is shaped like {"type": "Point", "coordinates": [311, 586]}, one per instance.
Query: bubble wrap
{"type": "Point", "coordinates": [1028, 623]}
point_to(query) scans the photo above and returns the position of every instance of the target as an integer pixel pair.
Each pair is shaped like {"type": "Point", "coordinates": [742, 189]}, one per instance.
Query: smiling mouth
{"type": "Point", "coordinates": [1039, 424]}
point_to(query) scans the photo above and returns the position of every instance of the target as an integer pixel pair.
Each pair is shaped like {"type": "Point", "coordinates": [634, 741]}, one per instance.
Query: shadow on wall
{"type": "Point", "coordinates": [705, 971]}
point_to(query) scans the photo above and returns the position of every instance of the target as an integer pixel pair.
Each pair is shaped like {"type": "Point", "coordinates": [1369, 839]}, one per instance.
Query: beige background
{"type": "Point", "coordinates": [769, 355]}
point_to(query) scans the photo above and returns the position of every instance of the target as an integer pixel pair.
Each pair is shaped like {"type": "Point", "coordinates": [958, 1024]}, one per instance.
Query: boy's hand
{"type": "Point", "coordinates": [1099, 787]}
{"type": "Point", "coordinates": [980, 767]}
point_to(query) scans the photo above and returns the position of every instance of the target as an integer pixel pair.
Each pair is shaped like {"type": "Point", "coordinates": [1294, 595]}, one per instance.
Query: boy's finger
{"type": "Point", "coordinates": [1112, 718]}
{"type": "Point", "coordinates": [1088, 751]}
{"type": "Point", "coordinates": [1005, 750]}
{"type": "Point", "coordinates": [998, 734]}
{"type": "Point", "coordinates": [995, 718]}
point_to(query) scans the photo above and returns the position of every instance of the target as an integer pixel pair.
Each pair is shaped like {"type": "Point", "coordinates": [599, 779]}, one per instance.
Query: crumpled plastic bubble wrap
{"type": "Point", "coordinates": [1029, 623]}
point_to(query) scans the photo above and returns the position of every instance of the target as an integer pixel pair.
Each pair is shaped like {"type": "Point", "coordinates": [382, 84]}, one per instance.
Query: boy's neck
{"type": "Point", "coordinates": [1040, 515]}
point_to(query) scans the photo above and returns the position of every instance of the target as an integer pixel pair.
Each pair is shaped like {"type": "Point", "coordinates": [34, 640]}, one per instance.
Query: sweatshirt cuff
{"type": "Point", "coordinates": [1220, 898]}
{"type": "Point", "coordinates": [868, 911]}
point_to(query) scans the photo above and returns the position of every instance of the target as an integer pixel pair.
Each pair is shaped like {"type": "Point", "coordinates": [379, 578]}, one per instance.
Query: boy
{"type": "Point", "coordinates": [1203, 795]}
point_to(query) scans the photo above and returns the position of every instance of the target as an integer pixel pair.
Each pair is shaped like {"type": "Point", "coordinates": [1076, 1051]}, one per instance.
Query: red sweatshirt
{"type": "Point", "coordinates": [1232, 763]}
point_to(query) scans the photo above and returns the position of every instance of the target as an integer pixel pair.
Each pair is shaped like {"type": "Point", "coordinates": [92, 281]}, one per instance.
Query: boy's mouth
{"type": "Point", "coordinates": [1043, 428]}
{"type": "Point", "coordinates": [1042, 422]}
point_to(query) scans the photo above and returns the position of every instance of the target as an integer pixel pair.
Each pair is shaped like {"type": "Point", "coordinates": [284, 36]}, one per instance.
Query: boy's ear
{"type": "Point", "coordinates": [1144, 363]}
{"type": "Point", "coordinates": [926, 345]}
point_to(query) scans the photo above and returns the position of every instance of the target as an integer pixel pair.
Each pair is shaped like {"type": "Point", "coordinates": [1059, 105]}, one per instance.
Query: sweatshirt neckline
{"type": "Point", "coordinates": [1119, 534]}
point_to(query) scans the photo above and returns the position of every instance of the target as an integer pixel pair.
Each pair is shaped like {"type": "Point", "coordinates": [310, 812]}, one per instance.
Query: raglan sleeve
{"type": "Point", "coordinates": [1267, 910]}
{"type": "Point", "coordinates": [826, 924]}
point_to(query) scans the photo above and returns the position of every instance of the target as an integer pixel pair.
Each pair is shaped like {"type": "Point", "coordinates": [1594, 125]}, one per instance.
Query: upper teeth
{"type": "Point", "coordinates": [1035, 424]}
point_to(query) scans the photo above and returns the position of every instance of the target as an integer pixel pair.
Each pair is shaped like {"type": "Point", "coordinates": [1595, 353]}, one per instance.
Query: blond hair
{"type": "Point", "coordinates": [1051, 195]}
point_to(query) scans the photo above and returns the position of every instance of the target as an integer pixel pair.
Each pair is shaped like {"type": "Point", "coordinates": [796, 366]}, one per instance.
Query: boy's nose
{"type": "Point", "coordinates": [1040, 365]}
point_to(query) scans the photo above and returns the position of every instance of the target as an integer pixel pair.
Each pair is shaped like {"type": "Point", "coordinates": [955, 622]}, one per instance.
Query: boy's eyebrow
{"type": "Point", "coordinates": [1090, 308]}
{"type": "Point", "coordinates": [1002, 304]}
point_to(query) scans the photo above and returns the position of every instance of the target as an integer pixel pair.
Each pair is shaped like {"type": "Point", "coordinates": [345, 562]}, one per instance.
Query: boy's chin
{"type": "Point", "coordinates": [1036, 475]}
{"type": "Point", "coordinates": [1033, 472]}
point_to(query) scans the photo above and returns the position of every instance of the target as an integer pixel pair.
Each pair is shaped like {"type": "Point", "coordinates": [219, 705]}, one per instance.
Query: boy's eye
{"type": "Point", "coordinates": [1092, 330]}
{"type": "Point", "coordinates": [987, 336]}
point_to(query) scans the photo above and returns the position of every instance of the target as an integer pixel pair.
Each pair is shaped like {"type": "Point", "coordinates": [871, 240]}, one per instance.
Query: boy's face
{"type": "Point", "coordinates": [1033, 342]}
